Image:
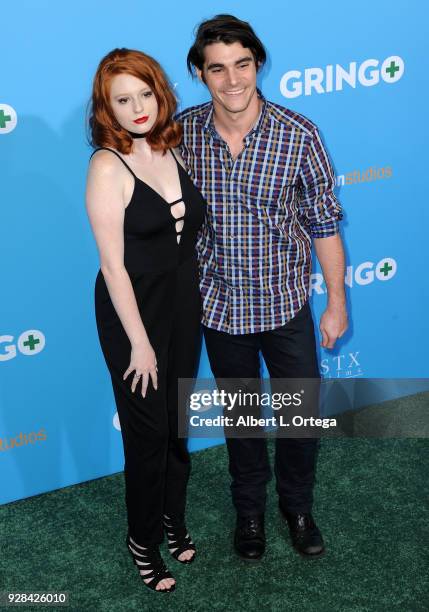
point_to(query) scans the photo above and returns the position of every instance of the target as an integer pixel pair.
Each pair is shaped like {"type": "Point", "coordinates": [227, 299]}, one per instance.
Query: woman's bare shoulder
{"type": "Point", "coordinates": [105, 162]}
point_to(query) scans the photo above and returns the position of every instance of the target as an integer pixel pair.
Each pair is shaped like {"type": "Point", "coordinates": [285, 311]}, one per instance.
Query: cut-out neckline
{"type": "Point", "coordinates": [175, 220]}
{"type": "Point", "coordinates": [153, 190]}
{"type": "Point", "coordinates": [156, 192]}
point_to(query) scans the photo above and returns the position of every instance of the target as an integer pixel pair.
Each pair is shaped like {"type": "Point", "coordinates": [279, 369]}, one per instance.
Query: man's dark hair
{"type": "Point", "coordinates": [226, 29]}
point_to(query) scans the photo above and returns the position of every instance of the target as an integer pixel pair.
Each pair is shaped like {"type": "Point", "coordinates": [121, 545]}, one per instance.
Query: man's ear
{"type": "Point", "coordinates": [200, 75]}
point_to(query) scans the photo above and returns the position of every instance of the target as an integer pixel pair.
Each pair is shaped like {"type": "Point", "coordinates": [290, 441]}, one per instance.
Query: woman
{"type": "Point", "coordinates": [145, 213]}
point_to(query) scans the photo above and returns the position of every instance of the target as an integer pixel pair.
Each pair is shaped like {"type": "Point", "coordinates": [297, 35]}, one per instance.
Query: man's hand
{"type": "Point", "coordinates": [333, 324]}
{"type": "Point", "coordinates": [330, 254]}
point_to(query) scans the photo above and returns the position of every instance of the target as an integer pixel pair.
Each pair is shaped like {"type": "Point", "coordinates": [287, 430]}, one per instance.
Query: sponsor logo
{"type": "Point", "coordinates": [22, 440]}
{"type": "Point", "coordinates": [116, 423]}
{"type": "Point", "coordinates": [29, 342]}
{"type": "Point", "coordinates": [8, 119]}
{"type": "Point", "coordinates": [346, 365]}
{"type": "Point", "coordinates": [364, 274]}
{"type": "Point", "coordinates": [364, 176]}
{"type": "Point", "coordinates": [368, 73]}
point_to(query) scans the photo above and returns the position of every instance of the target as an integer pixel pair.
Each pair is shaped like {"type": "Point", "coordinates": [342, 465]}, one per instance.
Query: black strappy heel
{"type": "Point", "coordinates": [150, 562]}
{"type": "Point", "coordinates": [179, 539]}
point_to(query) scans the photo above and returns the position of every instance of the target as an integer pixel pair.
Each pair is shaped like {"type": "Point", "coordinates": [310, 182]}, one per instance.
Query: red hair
{"type": "Point", "coordinates": [105, 130]}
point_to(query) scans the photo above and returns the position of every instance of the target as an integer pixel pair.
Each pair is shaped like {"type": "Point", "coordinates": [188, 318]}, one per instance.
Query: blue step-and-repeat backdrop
{"type": "Point", "coordinates": [356, 70]}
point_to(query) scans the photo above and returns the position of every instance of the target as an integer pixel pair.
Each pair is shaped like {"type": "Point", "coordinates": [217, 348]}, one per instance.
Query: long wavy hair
{"type": "Point", "coordinates": [105, 131]}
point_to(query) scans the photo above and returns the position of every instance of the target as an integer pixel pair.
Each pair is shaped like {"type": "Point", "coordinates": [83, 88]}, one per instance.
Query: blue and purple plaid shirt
{"type": "Point", "coordinates": [263, 209]}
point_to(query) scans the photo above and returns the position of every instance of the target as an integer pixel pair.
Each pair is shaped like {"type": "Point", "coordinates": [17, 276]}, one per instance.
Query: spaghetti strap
{"type": "Point", "coordinates": [174, 155]}
{"type": "Point", "coordinates": [117, 155]}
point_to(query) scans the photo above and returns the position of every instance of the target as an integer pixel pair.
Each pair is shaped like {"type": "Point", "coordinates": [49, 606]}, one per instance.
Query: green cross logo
{"type": "Point", "coordinates": [8, 119]}
{"type": "Point", "coordinates": [386, 269]}
{"type": "Point", "coordinates": [31, 342]}
{"type": "Point", "coordinates": [392, 69]}
{"type": "Point", "coordinates": [4, 118]}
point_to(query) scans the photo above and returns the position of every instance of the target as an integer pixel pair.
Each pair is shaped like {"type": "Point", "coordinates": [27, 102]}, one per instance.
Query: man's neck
{"type": "Point", "coordinates": [236, 125]}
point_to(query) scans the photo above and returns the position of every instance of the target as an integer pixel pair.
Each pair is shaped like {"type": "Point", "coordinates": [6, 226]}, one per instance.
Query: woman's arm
{"type": "Point", "coordinates": [105, 205]}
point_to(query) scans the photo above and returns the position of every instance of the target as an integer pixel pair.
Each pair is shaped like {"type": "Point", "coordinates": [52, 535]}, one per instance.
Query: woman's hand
{"type": "Point", "coordinates": [143, 362]}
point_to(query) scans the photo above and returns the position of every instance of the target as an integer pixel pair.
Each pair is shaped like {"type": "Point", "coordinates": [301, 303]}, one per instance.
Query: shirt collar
{"type": "Point", "coordinates": [260, 125]}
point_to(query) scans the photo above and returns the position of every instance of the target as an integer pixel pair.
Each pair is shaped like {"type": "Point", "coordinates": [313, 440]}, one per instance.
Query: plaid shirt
{"type": "Point", "coordinates": [264, 207]}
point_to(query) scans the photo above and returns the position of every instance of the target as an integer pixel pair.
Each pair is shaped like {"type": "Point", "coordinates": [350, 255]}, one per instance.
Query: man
{"type": "Point", "coordinates": [269, 186]}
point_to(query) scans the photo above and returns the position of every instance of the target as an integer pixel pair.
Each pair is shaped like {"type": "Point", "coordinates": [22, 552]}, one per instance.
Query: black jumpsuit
{"type": "Point", "coordinates": [164, 276]}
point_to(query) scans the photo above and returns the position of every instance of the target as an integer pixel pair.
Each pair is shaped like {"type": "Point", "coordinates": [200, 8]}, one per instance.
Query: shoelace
{"type": "Point", "coordinates": [304, 522]}
{"type": "Point", "coordinates": [251, 527]}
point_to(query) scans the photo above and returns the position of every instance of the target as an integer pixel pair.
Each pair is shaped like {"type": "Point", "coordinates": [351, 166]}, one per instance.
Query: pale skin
{"type": "Point", "coordinates": [229, 72]}
{"type": "Point", "coordinates": [109, 190]}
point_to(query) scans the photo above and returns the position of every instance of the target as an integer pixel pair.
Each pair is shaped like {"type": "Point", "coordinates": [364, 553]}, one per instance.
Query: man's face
{"type": "Point", "coordinates": [229, 72]}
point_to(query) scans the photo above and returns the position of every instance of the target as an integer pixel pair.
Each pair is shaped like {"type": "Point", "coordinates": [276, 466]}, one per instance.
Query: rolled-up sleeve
{"type": "Point", "coordinates": [318, 203]}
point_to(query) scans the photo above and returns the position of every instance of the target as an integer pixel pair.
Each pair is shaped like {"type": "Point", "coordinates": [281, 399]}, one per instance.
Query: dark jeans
{"type": "Point", "coordinates": [289, 352]}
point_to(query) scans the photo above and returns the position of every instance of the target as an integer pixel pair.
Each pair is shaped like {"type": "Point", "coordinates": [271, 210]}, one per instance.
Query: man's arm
{"type": "Point", "coordinates": [333, 322]}
{"type": "Point", "coordinates": [323, 212]}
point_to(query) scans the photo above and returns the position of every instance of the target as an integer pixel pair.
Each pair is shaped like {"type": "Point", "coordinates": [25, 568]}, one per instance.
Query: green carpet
{"type": "Point", "coordinates": [370, 503]}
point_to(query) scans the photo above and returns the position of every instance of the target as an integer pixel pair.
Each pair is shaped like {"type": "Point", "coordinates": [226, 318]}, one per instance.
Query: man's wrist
{"type": "Point", "coordinates": [336, 303]}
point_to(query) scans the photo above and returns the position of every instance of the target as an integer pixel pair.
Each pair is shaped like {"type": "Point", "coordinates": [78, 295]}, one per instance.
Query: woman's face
{"type": "Point", "coordinates": [133, 103]}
